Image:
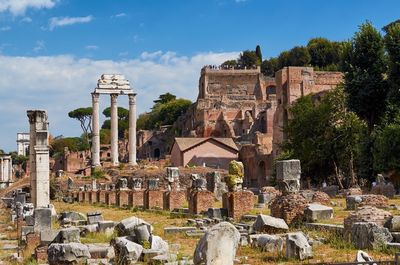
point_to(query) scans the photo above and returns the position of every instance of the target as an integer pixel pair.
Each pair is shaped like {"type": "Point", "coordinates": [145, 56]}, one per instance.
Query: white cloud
{"type": "Point", "coordinates": [66, 21]}
{"type": "Point", "coordinates": [19, 7]}
{"type": "Point", "coordinates": [62, 83]}
{"type": "Point", "coordinates": [40, 45]}
{"type": "Point", "coordinates": [26, 20]}
{"type": "Point", "coordinates": [91, 47]}
{"type": "Point", "coordinates": [119, 15]}
{"type": "Point", "coordinates": [5, 28]}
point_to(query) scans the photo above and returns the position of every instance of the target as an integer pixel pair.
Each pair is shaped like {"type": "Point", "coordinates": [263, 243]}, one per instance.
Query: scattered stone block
{"type": "Point", "coordinates": [218, 245]}
{"type": "Point", "coordinates": [41, 253]}
{"type": "Point", "coordinates": [69, 235]}
{"type": "Point", "coordinates": [297, 246]}
{"type": "Point", "coordinates": [67, 253]}
{"type": "Point", "coordinates": [378, 201]}
{"type": "Point", "coordinates": [101, 251]}
{"type": "Point", "coordinates": [238, 203]}
{"type": "Point", "coordinates": [106, 227]}
{"type": "Point", "coordinates": [126, 251]}
{"type": "Point", "coordinates": [332, 190]}
{"type": "Point", "coordinates": [369, 235]}
{"type": "Point", "coordinates": [157, 243]}
{"type": "Point", "coordinates": [94, 217]}
{"type": "Point", "coordinates": [269, 224]}
{"type": "Point", "coordinates": [387, 190]}
{"type": "Point", "coordinates": [126, 226]}
{"type": "Point", "coordinates": [315, 212]}
{"type": "Point", "coordinates": [142, 233]}
{"type": "Point", "coordinates": [269, 243]}
{"type": "Point", "coordinates": [48, 236]}
{"type": "Point", "coordinates": [42, 218]}
{"type": "Point", "coordinates": [220, 213]}
{"type": "Point", "coordinates": [288, 176]}
{"type": "Point", "coordinates": [178, 229]}
{"type": "Point", "coordinates": [363, 257]}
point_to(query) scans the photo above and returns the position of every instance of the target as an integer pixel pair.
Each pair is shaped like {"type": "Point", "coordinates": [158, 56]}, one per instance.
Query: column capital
{"type": "Point", "coordinates": [95, 97]}
{"type": "Point", "coordinates": [132, 99]}
{"type": "Point", "coordinates": [114, 98]}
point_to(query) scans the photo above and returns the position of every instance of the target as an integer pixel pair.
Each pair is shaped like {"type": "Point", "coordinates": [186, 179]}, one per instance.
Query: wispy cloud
{"type": "Point", "coordinates": [119, 15]}
{"type": "Point", "coordinates": [67, 21]}
{"type": "Point", "coordinates": [26, 20]}
{"type": "Point", "coordinates": [91, 47]}
{"type": "Point", "coordinates": [40, 45]}
{"type": "Point", "coordinates": [19, 7]}
{"type": "Point", "coordinates": [60, 84]}
{"type": "Point", "coordinates": [5, 28]}
{"type": "Point", "coordinates": [240, 1]}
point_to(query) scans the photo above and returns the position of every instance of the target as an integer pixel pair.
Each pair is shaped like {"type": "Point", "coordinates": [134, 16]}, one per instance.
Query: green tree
{"type": "Point", "coordinates": [72, 143]}
{"type": "Point", "coordinates": [324, 53]}
{"type": "Point", "coordinates": [123, 120]}
{"type": "Point", "coordinates": [365, 68]}
{"type": "Point", "coordinates": [269, 67]}
{"type": "Point", "coordinates": [298, 56]}
{"type": "Point", "coordinates": [364, 76]}
{"type": "Point", "coordinates": [165, 98]}
{"type": "Point", "coordinates": [387, 149]}
{"type": "Point", "coordinates": [230, 63]}
{"type": "Point", "coordinates": [330, 145]}
{"type": "Point", "coordinates": [84, 116]}
{"type": "Point", "coordinates": [258, 52]}
{"type": "Point", "coordinates": [392, 43]}
{"type": "Point", "coordinates": [249, 59]}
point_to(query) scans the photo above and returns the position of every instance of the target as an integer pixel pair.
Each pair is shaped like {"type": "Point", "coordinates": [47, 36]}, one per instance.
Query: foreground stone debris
{"type": "Point", "coordinates": [218, 246]}
{"type": "Point", "coordinates": [269, 224]}
{"type": "Point", "coordinates": [126, 251]}
{"type": "Point", "coordinates": [67, 253]}
{"type": "Point", "coordinates": [369, 235]}
{"type": "Point", "coordinates": [297, 246]}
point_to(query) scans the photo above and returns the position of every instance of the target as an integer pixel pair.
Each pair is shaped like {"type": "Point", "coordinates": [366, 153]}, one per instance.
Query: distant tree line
{"type": "Point", "coordinates": [353, 132]}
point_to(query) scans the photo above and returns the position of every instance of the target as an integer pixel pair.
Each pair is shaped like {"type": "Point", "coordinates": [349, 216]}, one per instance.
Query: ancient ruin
{"type": "Point", "coordinates": [113, 85]}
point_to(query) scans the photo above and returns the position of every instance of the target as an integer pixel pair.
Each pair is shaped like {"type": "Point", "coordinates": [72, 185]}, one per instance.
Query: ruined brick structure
{"type": "Point", "coordinates": [252, 109]}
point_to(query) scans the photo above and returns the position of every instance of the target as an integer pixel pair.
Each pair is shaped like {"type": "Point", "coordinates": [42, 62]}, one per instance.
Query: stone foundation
{"type": "Point", "coordinates": [101, 196]}
{"type": "Point", "coordinates": [81, 196]}
{"type": "Point", "coordinates": [174, 199]}
{"type": "Point", "coordinates": [32, 240]}
{"type": "Point", "coordinates": [384, 189]}
{"type": "Point", "coordinates": [93, 197]}
{"type": "Point", "coordinates": [200, 201]}
{"type": "Point", "coordinates": [122, 198]}
{"type": "Point", "coordinates": [111, 197]}
{"type": "Point", "coordinates": [87, 196]}
{"type": "Point", "coordinates": [238, 203]}
{"type": "Point", "coordinates": [153, 199]}
{"type": "Point", "coordinates": [136, 198]}
{"type": "Point", "coordinates": [289, 207]}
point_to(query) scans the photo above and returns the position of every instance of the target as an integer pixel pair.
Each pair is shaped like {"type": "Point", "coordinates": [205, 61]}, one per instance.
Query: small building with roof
{"type": "Point", "coordinates": [209, 151]}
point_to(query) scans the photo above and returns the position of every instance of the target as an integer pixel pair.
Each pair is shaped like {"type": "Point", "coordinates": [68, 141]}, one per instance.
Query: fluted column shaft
{"type": "Point", "coordinates": [95, 130]}
{"type": "Point", "coordinates": [114, 130]}
{"type": "Point", "coordinates": [132, 129]}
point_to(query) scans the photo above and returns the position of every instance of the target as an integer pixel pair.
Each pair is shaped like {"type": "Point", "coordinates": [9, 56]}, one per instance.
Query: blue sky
{"type": "Point", "coordinates": [53, 51]}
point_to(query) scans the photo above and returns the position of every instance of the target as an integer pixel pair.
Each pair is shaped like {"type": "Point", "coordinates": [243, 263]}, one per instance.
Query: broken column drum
{"type": "Point", "coordinates": [113, 85]}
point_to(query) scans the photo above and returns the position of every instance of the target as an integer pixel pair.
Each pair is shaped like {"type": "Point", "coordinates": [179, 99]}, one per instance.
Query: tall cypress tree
{"type": "Point", "coordinates": [258, 52]}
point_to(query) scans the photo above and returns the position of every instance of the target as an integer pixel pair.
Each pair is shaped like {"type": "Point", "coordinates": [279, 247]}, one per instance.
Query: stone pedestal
{"type": "Point", "coordinates": [87, 196]}
{"type": "Point", "coordinates": [81, 196]}
{"type": "Point", "coordinates": [238, 203]}
{"type": "Point", "coordinates": [153, 198]}
{"type": "Point", "coordinates": [136, 198]}
{"type": "Point", "coordinates": [101, 196]}
{"type": "Point", "coordinates": [174, 199]}
{"type": "Point", "coordinates": [111, 197]}
{"type": "Point", "coordinates": [93, 196]}
{"type": "Point", "coordinates": [200, 201]}
{"type": "Point", "coordinates": [122, 198]}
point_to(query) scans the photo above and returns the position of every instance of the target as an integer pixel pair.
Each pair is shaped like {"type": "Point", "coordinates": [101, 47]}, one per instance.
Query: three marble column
{"type": "Point", "coordinates": [114, 130]}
